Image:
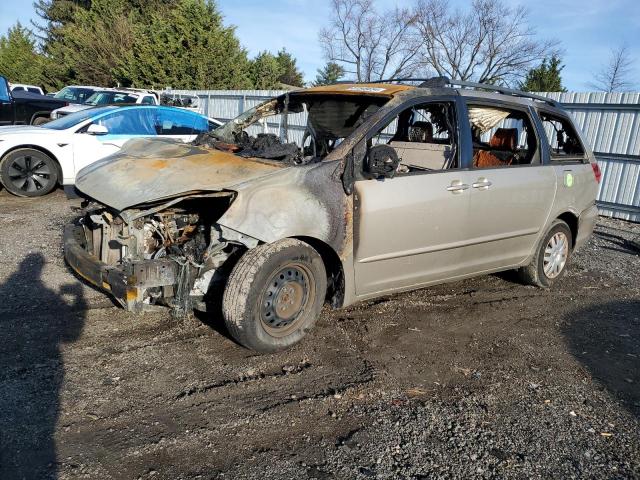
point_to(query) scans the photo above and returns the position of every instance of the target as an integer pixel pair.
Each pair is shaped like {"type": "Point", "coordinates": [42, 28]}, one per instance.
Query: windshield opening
{"type": "Point", "coordinates": [296, 128]}
{"type": "Point", "coordinates": [108, 98]}
{"type": "Point", "coordinates": [72, 119]}
{"type": "Point", "coordinates": [74, 94]}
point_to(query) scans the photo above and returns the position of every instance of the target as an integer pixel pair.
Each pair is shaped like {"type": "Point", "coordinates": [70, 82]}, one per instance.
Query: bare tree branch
{"type": "Point", "coordinates": [615, 75]}
{"type": "Point", "coordinates": [491, 43]}
{"type": "Point", "coordinates": [371, 46]}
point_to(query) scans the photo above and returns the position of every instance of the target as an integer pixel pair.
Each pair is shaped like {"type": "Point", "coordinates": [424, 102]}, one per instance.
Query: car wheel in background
{"type": "Point", "coordinates": [28, 173]}
{"type": "Point", "coordinates": [549, 263]}
{"type": "Point", "coordinates": [41, 121]}
{"type": "Point", "coordinates": [274, 295]}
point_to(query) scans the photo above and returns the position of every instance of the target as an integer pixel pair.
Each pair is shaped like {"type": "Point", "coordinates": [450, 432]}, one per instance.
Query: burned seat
{"type": "Point", "coordinates": [420, 150]}
{"type": "Point", "coordinates": [502, 149]}
{"type": "Point", "coordinates": [421, 132]}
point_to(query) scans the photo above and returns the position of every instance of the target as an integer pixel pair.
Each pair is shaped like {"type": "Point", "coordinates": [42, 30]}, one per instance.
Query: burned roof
{"type": "Point", "coordinates": [380, 89]}
{"type": "Point", "coordinates": [390, 88]}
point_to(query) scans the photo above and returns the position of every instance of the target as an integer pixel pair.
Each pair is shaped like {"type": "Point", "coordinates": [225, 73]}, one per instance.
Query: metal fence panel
{"type": "Point", "coordinates": [609, 121]}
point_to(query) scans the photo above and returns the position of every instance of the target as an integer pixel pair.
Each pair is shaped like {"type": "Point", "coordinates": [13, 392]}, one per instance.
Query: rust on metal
{"type": "Point", "coordinates": [378, 89]}
{"type": "Point", "coordinates": [151, 170]}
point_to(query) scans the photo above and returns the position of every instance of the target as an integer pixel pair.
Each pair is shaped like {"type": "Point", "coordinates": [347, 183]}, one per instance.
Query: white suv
{"type": "Point", "coordinates": [110, 96]}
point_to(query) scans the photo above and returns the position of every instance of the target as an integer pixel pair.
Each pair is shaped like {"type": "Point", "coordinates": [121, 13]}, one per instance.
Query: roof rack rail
{"type": "Point", "coordinates": [504, 90]}
{"type": "Point", "coordinates": [442, 82]}
{"type": "Point", "coordinates": [426, 82]}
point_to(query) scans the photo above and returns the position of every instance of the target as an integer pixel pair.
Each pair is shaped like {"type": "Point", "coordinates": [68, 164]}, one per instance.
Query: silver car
{"type": "Point", "coordinates": [337, 194]}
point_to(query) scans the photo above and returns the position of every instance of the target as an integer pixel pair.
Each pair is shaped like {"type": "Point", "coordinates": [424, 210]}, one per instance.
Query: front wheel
{"type": "Point", "coordinates": [40, 121]}
{"type": "Point", "coordinates": [28, 173]}
{"type": "Point", "coordinates": [274, 295]}
{"type": "Point", "coordinates": [550, 261]}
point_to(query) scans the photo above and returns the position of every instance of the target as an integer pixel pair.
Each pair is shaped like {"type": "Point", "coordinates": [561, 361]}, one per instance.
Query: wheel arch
{"type": "Point", "coordinates": [333, 266]}
{"type": "Point", "coordinates": [40, 149]}
{"type": "Point", "coordinates": [570, 219]}
{"type": "Point", "coordinates": [43, 113]}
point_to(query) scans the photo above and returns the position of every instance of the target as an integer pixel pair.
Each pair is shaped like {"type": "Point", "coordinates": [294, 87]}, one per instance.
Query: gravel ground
{"type": "Point", "coordinates": [483, 378]}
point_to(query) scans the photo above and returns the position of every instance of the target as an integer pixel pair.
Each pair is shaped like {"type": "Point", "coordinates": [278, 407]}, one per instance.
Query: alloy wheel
{"type": "Point", "coordinates": [555, 255]}
{"type": "Point", "coordinates": [28, 173]}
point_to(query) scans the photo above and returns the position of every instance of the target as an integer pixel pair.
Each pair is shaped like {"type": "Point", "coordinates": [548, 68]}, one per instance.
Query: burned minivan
{"type": "Point", "coordinates": [336, 194]}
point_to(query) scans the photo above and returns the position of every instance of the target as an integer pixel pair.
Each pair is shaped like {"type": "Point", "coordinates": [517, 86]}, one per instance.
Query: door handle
{"type": "Point", "coordinates": [457, 187]}
{"type": "Point", "coordinates": [482, 183]}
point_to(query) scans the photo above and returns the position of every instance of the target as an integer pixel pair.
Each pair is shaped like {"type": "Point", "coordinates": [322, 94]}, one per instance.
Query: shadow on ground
{"type": "Point", "coordinates": [35, 321]}
{"type": "Point", "coordinates": [606, 339]}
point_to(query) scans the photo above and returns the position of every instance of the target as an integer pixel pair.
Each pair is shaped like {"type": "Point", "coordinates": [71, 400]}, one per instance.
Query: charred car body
{"type": "Point", "coordinates": [387, 187]}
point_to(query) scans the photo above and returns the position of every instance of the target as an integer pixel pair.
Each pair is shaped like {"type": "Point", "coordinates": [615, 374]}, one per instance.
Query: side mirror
{"type": "Point", "coordinates": [95, 129]}
{"type": "Point", "coordinates": [382, 162]}
{"type": "Point", "coordinates": [5, 93]}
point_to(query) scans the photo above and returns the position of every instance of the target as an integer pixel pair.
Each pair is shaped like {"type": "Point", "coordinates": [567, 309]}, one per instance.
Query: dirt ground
{"type": "Point", "coordinates": [484, 378]}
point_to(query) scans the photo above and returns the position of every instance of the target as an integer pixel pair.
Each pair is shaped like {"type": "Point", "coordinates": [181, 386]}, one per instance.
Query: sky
{"type": "Point", "coordinates": [587, 29]}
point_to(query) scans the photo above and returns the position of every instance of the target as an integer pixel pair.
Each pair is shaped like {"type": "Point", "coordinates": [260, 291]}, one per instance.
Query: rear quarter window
{"type": "Point", "coordinates": [562, 138]}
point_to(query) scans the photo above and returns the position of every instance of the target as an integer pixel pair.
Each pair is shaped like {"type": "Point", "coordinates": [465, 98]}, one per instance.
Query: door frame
{"type": "Point", "coordinates": [539, 157]}
{"type": "Point", "coordinates": [359, 150]}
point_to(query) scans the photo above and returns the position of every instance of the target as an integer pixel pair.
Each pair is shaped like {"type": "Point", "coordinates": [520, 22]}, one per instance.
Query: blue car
{"type": "Point", "coordinates": [34, 160]}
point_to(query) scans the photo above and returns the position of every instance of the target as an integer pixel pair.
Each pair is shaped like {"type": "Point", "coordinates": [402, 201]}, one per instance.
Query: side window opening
{"type": "Point", "coordinates": [562, 137]}
{"type": "Point", "coordinates": [176, 122]}
{"type": "Point", "coordinates": [501, 137]}
{"type": "Point", "coordinates": [129, 122]}
{"type": "Point", "coordinates": [423, 137]}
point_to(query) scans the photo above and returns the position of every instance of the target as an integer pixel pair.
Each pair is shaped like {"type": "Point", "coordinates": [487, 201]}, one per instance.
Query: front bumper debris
{"type": "Point", "coordinates": [126, 282]}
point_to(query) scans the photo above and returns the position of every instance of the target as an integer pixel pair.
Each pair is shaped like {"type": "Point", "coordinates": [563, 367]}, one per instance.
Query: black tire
{"type": "Point", "coordinates": [26, 172]}
{"type": "Point", "coordinates": [40, 121]}
{"type": "Point", "coordinates": [534, 273]}
{"type": "Point", "coordinates": [274, 295]}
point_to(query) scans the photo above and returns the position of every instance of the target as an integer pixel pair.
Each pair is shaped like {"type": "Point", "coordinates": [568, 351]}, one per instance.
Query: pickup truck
{"type": "Point", "coordinates": [25, 108]}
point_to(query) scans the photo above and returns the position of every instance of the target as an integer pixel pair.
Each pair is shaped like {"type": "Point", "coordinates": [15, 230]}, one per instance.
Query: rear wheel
{"type": "Point", "coordinates": [28, 173]}
{"type": "Point", "coordinates": [40, 121]}
{"type": "Point", "coordinates": [550, 261]}
{"type": "Point", "coordinates": [274, 295]}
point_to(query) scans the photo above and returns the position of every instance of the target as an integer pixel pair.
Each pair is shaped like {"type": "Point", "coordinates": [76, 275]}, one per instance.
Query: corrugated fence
{"type": "Point", "coordinates": [609, 121]}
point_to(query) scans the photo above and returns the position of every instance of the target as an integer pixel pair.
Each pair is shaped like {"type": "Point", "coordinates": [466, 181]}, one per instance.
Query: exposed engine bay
{"type": "Point", "coordinates": [170, 254]}
{"type": "Point", "coordinates": [268, 130]}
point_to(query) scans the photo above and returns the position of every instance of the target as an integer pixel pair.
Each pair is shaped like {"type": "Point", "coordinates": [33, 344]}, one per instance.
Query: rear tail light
{"type": "Point", "coordinates": [596, 171]}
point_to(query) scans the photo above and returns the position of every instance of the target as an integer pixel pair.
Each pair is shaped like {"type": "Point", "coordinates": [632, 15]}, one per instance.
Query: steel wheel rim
{"type": "Point", "coordinates": [285, 299]}
{"type": "Point", "coordinates": [29, 173]}
{"type": "Point", "coordinates": [556, 253]}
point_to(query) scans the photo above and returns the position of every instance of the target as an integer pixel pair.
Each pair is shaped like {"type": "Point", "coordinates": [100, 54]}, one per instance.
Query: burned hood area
{"type": "Point", "coordinates": [147, 171]}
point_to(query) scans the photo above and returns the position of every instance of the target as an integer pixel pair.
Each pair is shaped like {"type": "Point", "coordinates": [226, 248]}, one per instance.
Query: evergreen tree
{"type": "Point", "coordinates": [91, 48]}
{"type": "Point", "coordinates": [290, 74]}
{"type": "Point", "coordinates": [186, 46]}
{"type": "Point", "coordinates": [266, 71]}
{"type": "Point", "coordinates": [55, 16]}
{"type": "Point", "coordinates": [545, 78]}
{"type": "Point", "coordinates": [330, 73]}
{"type": "Point", "coordinates": [143, 43]}
{"type": "Point", "coordinates": [19, 60]}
